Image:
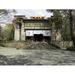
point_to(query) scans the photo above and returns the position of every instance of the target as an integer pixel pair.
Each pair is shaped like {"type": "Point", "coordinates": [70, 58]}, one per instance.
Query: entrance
{"type": "Point", "coordinates": [38, 37]}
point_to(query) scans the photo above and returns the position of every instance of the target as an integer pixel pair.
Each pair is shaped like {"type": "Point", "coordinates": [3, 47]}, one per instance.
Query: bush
{"type": "Point", "coordinates": [8, 32]}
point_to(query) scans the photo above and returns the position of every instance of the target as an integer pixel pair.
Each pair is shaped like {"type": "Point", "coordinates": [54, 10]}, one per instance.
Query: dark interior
{"type": "Point", "coordinates": [38, 37]}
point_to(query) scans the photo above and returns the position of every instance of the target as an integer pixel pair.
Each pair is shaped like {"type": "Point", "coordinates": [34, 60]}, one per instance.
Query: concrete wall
{"type": "Point", "coordinates": [22, 33]}
{"type": "Point", "coordinates": [16, 35]}
{"type": "Point", "coordinates": [31, 25]}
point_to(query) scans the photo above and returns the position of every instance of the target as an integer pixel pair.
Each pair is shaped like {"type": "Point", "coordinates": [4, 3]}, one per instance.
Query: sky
{"type": "Point", "coordinates": [27, 12]}
{"type": "Point", "coordinates": [30, 12]}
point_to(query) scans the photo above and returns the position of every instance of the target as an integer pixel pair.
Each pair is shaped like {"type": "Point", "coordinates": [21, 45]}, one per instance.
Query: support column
{"type": "Point", "coordinates": [22, 33]}
{"type": "Point", "coordinates": [16, 35]}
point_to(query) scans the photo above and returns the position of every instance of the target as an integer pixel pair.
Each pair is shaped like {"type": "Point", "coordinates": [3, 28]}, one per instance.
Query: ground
{"type": "Point", "coordinates": [13, 56]}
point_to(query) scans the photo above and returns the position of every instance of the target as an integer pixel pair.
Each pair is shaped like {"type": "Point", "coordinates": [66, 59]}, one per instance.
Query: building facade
{"type": "Point", "coordinates": [35, 28]}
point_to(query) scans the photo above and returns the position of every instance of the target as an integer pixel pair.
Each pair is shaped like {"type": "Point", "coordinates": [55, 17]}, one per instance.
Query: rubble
{"type": "Point", "coordinates": [30, 45]}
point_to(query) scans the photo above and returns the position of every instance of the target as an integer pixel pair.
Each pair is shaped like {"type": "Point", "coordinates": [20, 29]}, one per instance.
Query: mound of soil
{"type": "Point", "coordinates": [39, 45]}
{"type": "Point", "coordinates": [30, 45]}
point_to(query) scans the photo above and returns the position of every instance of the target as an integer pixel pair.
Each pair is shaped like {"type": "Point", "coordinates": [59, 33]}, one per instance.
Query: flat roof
{"type": "Point", "coordinates": [25, 19]}
{"type": "Point", "coordinates": [36, 20]}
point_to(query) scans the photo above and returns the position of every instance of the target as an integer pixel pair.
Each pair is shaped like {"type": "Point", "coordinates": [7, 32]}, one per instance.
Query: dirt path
{"type": "Point", "coordinates": [13, 56]}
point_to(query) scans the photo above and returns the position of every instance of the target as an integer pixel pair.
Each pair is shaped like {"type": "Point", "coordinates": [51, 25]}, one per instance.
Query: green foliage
{"type": "Point", "coordinates": [57, 19]}
{"type": "Point", "coordinates": [8, 32]}
{"type": "Point", "coordinates": [2, 11]}
{"type": "Point", "coordinates": [60, 21]}
{"type": "Point", "coordinates": [66, 25]}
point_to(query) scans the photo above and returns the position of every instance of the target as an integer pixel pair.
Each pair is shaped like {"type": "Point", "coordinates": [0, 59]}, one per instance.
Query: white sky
{"type": "Point", "coordinates": [30, 12]}
{"type": "Point", "coordinates": [26, 12]}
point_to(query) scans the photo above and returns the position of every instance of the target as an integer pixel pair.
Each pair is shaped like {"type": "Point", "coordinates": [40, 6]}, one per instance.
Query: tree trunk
{"type": "Point", "coordinates": [71, 27]}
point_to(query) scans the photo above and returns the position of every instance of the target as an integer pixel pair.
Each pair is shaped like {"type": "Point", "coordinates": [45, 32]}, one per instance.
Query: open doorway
{"type": "Point", "coordinates": [38, 37]}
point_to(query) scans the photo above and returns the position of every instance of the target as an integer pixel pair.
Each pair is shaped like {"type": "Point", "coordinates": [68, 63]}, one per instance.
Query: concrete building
{"type": "Point", "coordinates": [35, 28]}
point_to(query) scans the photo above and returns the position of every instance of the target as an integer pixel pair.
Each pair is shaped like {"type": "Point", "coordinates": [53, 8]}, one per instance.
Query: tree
{"type": "Point", "coordinates": [61, 22]}
{"type": "Point", "coordinates": [72, 25]}
{"type": "Point", "coordinates": [65, 21]}
{"type": "Point", "coordinates": [57, 18]}
{"type": "Point", "coordinates": [8, 32]}
{"type": "Point", "coordinates": [65, 25]}
{"type": "Point", "coordinates": [2, 12]}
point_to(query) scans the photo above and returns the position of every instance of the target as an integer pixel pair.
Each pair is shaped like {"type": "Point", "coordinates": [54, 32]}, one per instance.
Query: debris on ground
{"type": "Point", "coordinates": [30, 45]}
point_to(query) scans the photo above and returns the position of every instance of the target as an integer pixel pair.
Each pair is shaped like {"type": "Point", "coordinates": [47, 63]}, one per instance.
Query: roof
{"type": "Point", "coordinates": [19, 15]}
{"type": "Point", "coordinates": [32, 18]}
{"type": "Point", "coordinates": [27, 20]}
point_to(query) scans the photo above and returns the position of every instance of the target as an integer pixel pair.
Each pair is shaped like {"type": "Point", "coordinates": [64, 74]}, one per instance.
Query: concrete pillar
{"type": "Point", "coordinates": [22, 33]}
{"type": "Point", "coordinates": [16, 35]}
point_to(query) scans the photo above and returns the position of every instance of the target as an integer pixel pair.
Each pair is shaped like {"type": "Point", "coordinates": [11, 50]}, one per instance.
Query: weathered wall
{"type": "Point", "coordinates": [16, 35]}
{"type": "Point", "coordinates": [29, 25]}
{"type": "Point", "coordinates": [36, 25]}
{"type": "Point", "coordinates": [22, 33]}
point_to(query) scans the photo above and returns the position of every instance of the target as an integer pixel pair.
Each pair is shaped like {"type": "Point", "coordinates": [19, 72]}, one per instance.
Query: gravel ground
{"type": "Point", "coordinates": [13, 56]}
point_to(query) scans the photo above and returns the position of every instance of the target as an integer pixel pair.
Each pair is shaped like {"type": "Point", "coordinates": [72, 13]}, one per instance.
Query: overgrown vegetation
{"type": "Point", "coordinates": [62, 20]}
{"type": "Point", "coordinates": [8, 32]}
